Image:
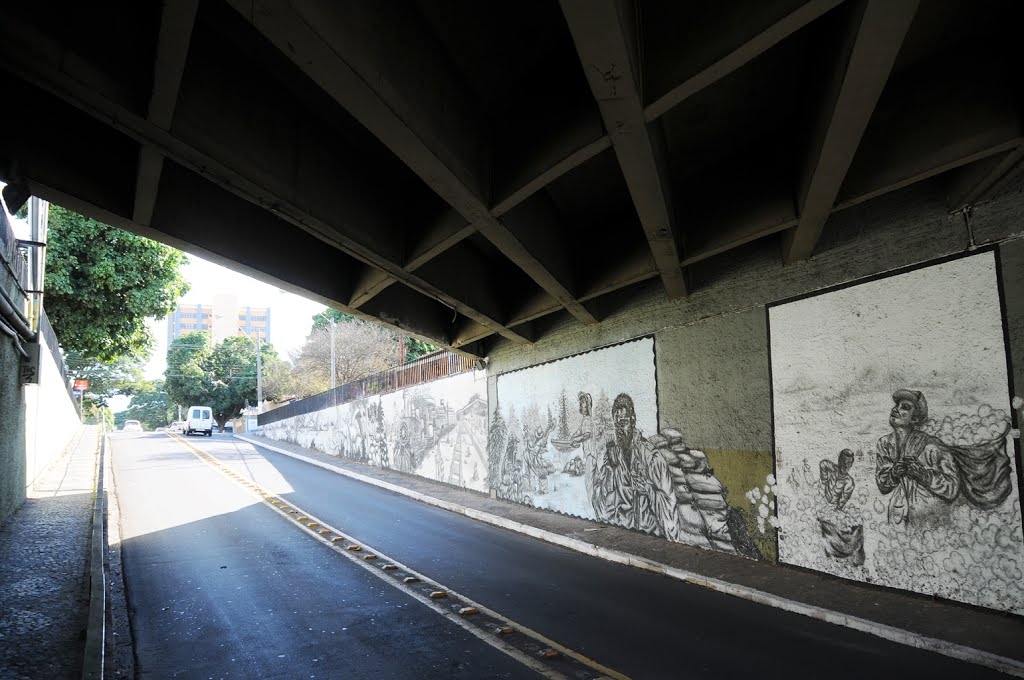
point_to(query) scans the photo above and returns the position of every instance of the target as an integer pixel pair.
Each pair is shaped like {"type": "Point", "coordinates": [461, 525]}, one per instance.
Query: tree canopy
{"type": "Point", "coordinates": [414, 347]}
{"type": "Point", "coordinates": [102, 283]}
{"type": "Point", "coordinates": [223, 377]}
{"type": "Point", "coordinates": [107, 378]}
{"type": "Point", "coordinates": [359, 349]}
{"type": "Point", "coordinates": [151, 406]}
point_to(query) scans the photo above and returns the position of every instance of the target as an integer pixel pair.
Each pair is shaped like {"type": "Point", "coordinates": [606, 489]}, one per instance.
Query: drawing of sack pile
{"type": "Point", "coordinates": [701, 510]}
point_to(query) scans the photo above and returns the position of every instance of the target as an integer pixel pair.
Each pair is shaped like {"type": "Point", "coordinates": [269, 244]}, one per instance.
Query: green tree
{"type": "Point", "coordinates": [222, 377]}
{"type": "Point", "coordinates": [152, 407]}
{"type": "Point", "coordinates": [106, 378]}
{"type": "Point", "coordinates": [102, 283]}
{"type": "Point", "coordinates": [324, 318]}
{"type": "Point", "coordinates": [96, 414]}
{"type": "Point", "coordinates": [187, 380]}
{"type": "Point", "coordinates": [415, 348]}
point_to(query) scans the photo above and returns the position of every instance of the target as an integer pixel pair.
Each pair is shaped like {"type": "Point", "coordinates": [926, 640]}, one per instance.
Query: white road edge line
{"type": "Point", "coordinates": [951, 649]}
{"type": "Point", "coordinates": [435, 605]}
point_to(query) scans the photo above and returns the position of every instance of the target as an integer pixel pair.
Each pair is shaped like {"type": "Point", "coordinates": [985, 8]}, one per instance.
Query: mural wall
{"type": "Point", "coordinates": [436, 430]}
{"type": "Point", "coordinates": [895, 457]}
{"type": "Point", "coordinates": [580, 436]}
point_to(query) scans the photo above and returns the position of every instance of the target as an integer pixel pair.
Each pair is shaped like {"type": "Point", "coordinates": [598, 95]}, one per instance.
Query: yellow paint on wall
{"type": "Point", "coordinates": [740, 471]}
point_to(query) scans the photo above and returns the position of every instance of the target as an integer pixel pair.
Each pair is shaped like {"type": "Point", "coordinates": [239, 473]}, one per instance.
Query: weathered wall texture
{"type": "Point", "coordinates": [12, 430]}
{"type": "Point", "coordinates": [892, 422]}
{"type": "Point", "coordinates": [37, 421]}
{"type": "Point", "coordinates": [436, 430]}
{"type": "Point", "coordinates": [716, 361]}
{"type": "Point", "coordinates": [12, 408]}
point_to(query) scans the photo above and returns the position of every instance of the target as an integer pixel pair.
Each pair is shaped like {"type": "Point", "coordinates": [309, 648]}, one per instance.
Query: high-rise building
{"type": "Point", "coordinates": [222, 319]}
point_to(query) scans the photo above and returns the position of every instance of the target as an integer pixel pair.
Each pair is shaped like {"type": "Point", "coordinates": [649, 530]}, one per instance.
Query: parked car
{"type": "Point", "coordinates": [200, 420]}
{"type": "Point", "coordinates": [132, 426]}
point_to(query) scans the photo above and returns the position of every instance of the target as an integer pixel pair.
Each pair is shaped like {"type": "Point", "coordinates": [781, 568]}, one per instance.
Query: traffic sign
{"type": "Point", "coordinates": [81, 385]}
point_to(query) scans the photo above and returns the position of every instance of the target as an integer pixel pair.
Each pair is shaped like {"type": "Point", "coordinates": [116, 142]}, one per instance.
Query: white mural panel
{"type": "Point", "coordinates": [894, 453]}
{"type": "Point", "coordinates": [436, 430]}
{"type": "Point", "coordinates": [580, 436]}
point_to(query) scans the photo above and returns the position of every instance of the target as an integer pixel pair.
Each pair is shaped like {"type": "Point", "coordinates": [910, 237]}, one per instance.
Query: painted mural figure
{"type": "Point", "coordinates": [633, 486]}
{"type": "Point", "coordinates": [537, 466]}
{"type": "Point", "coordinates": [403, 449]}
{"type": "Point", "coordinates": [585, 437]}
{"type": "Point", "coordinates": [911, 465]}
{"type": "Point", "coordinates": [836, 482]}
{"type": "Point", "coordinates": [924, 474]}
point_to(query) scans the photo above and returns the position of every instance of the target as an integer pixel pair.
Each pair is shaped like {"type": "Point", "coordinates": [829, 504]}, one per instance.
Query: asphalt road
{"type": "Point", "coordinates": [221, 585]}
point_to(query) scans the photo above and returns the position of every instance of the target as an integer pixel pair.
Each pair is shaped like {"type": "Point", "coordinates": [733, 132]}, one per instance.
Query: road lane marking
{"type": "Point", "coordinates": [528, 647]}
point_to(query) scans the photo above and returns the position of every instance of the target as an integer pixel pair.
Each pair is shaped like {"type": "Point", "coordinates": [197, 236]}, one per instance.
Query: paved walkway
{"type": "Point", "coordinates": [44, 582]}
{"type": "Point", "coordinates": [971, 633]}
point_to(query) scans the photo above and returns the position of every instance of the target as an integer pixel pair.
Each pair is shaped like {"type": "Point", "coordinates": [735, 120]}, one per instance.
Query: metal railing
{"type": "Point", "coordinates": [13, 255]}
{"type": "Point", "coordinates": [47, 335]}
{"type": "Point", "coordinates": [425, 369]}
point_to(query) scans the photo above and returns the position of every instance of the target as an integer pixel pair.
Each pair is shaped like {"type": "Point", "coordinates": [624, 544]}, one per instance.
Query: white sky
{"type": "Point", "coordinates": [291, 316]}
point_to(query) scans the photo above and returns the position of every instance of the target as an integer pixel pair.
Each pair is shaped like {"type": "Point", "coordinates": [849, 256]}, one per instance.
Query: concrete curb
{"type": "Point", "coordinates": [891, 633]}
{"type": "Point", "coordinates": [95, 637]}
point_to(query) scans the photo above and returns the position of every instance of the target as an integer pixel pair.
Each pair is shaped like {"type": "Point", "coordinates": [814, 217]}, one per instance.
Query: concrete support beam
{"type": "Point", "coordinates": [422, 114]}
{"type": "Point", "coordinates": [33, 58]}
{"type": "Point", "coordinates": [873, 38]}
{"type": "Point", "coordinates": [742, 44]}
{"type": "Point", "coordinates": [449, 231]}
{"type": "Point", "coordinates": [902, 147]}
{"type": "Point", "coordinates": [176, 23]}
{"type": "Point", "coordinates": [976, 181]}
{"type": "Point", "coordinates": [604, 31]}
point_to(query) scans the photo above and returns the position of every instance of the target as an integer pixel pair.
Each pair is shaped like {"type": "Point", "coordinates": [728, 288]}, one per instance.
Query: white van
{"type": "Point", "coordinates": [199, 420]}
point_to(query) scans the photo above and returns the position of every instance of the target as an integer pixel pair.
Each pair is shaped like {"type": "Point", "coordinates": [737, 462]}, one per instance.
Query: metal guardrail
{"type": "Point", "coordinates": [431, 367]}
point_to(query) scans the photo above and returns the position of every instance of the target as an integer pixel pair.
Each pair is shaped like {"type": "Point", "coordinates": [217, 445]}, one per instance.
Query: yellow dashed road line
{"type": "Point", "coordinates": [529, 647]}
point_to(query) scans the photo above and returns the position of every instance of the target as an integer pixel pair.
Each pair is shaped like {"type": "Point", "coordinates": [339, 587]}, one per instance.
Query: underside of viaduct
{"type": "Point", "coordinates": [479, 174]}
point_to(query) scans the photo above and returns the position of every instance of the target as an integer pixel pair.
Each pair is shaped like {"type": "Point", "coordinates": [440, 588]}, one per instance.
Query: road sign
{"type": "Point", "coordinates": [81, 385]}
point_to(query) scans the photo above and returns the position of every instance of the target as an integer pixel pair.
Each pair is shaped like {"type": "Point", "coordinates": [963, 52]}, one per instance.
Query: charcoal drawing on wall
{"type": "Point", "coordinates": [896, 460]}
{"type": "Point", "coordinates": [436, 430]}
{"type": "Point", "coordinates": [580, 436]}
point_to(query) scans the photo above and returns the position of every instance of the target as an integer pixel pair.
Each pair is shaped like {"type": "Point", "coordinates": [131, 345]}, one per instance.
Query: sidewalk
{"type": "Point", "coordinates": [44, 583]}
{"type": "Point", "coordinates": [992, 639]}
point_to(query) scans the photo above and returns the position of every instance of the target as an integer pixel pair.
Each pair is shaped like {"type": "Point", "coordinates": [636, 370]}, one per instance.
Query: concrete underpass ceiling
{"type": "Point", "coordinates": [476, 173]}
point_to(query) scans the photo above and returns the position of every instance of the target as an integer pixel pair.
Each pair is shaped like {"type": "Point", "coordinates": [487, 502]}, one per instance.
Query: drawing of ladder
{"type": "Point", "coordinates": [455, 473]}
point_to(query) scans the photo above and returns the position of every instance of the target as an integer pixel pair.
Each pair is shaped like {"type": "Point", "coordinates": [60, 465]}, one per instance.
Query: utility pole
{"type": "Point", "coordinates": [334, 372]}
{"type": "Point", "coordinates": [259, 375]}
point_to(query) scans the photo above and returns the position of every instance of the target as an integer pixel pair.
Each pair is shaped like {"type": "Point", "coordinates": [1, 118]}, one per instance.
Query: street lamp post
{"type": "Point", "coordinates": [334, 372]}
{"type": "Point", "coordinates": [259, 370]}
{"type": "Point", "coordinates": [259, 376]}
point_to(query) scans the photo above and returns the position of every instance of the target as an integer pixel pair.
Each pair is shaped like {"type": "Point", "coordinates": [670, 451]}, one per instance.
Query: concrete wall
{"type": "Point", "coordinates": [50, 415]}
{"type": "Point", "coordinates": [716, 371]}
{"type": "Point", "coordinates": [437, 430]}
{"type": "Point", "coordinates": [719, 420]}
{"type": "Point", "coordinates": [12, 430]}
{"type": "Point", "coordinates": [36, 421]}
